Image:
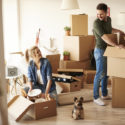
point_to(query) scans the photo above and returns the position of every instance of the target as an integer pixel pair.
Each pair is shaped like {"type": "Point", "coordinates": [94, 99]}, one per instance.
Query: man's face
{"type": "Point", "coordinates": [102, 15]}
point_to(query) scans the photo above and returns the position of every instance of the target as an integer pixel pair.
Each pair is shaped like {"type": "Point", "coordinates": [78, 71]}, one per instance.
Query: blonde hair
{"type": "Point", "coordinates": [30, 53]}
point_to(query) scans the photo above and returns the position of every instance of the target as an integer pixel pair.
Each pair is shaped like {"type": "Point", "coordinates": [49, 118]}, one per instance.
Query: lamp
{"type": "Point", "coordinates": [69, 5]}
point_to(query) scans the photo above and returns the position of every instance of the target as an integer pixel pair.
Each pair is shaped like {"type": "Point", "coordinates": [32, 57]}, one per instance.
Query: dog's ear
{"type": "Point", "coordinates": [81, 99]}
{"type": "Point", "coordinates": [75, 98]}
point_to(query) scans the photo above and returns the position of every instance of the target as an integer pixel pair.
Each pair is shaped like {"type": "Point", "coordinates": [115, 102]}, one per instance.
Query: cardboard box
{"type": "Point", "coordinates": [79, 47]}
{"type": "Point", "coordinates": [115, 61]}
{"type": "Point", "coordinates": [118, 92]}
{"type": "Point", "coordinates": [74, 85]}
{"type": "Point", "coordinates": [122, 39]}
{"type": "Point", "coordinates": [75, 64]}
{"type": "Point", "coordinates": [54, 61]}
{"type": "Point", "coordinates": [119, 39]}
{"type": "Point", "coordinates": [70, 87]}
{"type": "Point", "coordinates": [78, 73]}
{"type": "Point", "coordinates": [19, 106]}
{"type": "Point", "coordinates": [89, 76]}
{"type": "Point", "coordinates": [113, 37]}
{"type": "Point", "coordinates": [79, 24]}
{"type": "Point", "coordinates": [43, 110]}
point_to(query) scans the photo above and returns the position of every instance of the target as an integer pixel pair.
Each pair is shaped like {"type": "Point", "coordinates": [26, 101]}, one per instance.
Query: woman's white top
{"type": "Point", "coordinates": [40, 80]}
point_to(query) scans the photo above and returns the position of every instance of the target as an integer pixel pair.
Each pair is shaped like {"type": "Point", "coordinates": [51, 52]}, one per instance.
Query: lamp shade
{"type": "Point", "coordinates": [69, 4]}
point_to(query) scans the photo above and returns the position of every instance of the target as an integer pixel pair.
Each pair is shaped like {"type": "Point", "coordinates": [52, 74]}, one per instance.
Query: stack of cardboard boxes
{"type": "Point", "coordinates": [79, 44]}
{"type": "Point", "coordinates": [116, 69]}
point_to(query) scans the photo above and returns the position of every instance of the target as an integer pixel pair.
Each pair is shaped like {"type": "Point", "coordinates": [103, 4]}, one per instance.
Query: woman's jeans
{"type": "Point", "coordinates": [101, 73]}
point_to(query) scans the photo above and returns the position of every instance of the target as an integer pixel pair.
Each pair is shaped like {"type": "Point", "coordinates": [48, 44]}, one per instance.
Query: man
{"type": "Point", "coordinates": [101, 27]}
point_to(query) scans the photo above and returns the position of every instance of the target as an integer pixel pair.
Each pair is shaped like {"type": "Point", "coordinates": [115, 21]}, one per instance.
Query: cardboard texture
{"type": "Point", "coordinates": [78, 73]}
{"type": "Point", "coordinates": [118, 92]}
{"type": "Point", "coordinates": [79, 47]}
{"type": "Point", "coordinates": [54, 61]}
{"type": "Point", "coordinates": [119, 39]}
{"type": "Point", "coordinates": [19, 106]}
{"type": "Point", "coordinates": [89, 76]}
{"type": "Point", "coordinates": [122, 39]}
{"type": "Point", "coordinates": [75, 64]}
{"type": "Point", "coordinates": [68, 87]}
{"type": "Point", "coordinates": [113, 37]}
{"type": "Point", "coordinates": [43, 109]}
{"type": "Point", "coordinates": [115, 61]}
{"type": "Point", "coordinates": [68, 98]}
{"type": "Point", "coordinates": [79, 24]}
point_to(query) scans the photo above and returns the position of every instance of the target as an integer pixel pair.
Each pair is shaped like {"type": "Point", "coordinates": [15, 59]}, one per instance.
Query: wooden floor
{"type": "Point", "coordinates": [94, 115]}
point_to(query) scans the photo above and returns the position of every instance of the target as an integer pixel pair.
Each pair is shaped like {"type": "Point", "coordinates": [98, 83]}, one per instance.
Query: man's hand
{"type": "Point", "coordinates": [121, 32]}
{"type": "Point", "coordinates": [121, 46]}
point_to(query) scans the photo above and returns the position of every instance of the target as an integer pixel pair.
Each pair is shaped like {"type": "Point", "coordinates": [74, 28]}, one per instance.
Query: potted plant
{"type": "Point", "coordinates": [66, 55]}
{"type": "Point", "coordinates": [67, 30]}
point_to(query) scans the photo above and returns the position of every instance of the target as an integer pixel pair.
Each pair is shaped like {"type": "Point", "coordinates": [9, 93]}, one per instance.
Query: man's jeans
{"type": "Point", "coordinates": [101, 73]}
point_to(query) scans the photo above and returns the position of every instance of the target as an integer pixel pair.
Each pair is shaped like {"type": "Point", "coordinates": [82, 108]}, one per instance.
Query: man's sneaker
{"type": "Point", "coordinates": [106, 97]}
{"type": "Point", "coordinates": [99, 102]}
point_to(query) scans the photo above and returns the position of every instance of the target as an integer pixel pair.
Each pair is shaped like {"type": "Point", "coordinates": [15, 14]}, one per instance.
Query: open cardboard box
{"type": "Point", "coordinates": [75, 85]}
{"type": "Point", "coordinates": [116, 69]}
{"type": "Point", "coordinates": [19, 106]}
{"type": "Point", "coordinates": [78, 73]}
{"type": "Point", "coordinates": [115, 61]}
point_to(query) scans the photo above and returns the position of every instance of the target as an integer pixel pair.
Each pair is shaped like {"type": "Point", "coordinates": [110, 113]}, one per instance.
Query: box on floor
{"type": "Point", "coordinates": [67, 83]}
{"type": "Point", "coordinates": [19, 106]}
{"type": "Point", "coordinates": [116, 69]}
{"type": "Point", "coordinates": [79, 47]}
{"type": "Point", "coordinates": [78, 73]}
{"type": "Point", "coordinates": [118, 92]}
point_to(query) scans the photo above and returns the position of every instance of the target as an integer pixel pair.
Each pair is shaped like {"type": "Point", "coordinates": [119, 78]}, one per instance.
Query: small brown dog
{"type": "Point", "coordinates": [78, 111]}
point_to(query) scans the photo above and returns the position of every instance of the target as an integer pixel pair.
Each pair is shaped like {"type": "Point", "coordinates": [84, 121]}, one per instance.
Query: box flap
{"type": "Point", "coordinates": [18, 106]}
{"type": "Point", "coordinates": [114, 52]}
{"type": "Point", "coordinates": [70, 70]}
{"type": "Point", "coordinates": [65, 76]}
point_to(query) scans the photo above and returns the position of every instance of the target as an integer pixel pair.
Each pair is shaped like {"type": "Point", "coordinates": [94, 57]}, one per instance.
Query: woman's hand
{"type": "Point", "coordinates": [45, 96]}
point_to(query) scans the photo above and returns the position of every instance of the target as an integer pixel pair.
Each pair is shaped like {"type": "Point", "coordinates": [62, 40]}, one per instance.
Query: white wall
{"type": "Point", "coordinates": [46, 14]}
{"type": "Point", "coordinates": [10, 21]}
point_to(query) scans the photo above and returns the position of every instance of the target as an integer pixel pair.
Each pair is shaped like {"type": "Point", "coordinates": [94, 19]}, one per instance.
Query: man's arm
{"type": "Point", "coordinates": [117, 31]}
{"type": "Point", "coordinates": [110, 42]}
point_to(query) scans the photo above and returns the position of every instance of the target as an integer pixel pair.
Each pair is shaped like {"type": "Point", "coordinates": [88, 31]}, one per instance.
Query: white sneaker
{"type": "Point", "coordinates": [106, 97]}
{"type": "Point", "coordinates": [99, 102]}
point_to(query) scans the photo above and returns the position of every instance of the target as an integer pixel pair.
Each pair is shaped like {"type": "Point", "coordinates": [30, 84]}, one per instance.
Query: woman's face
{"type": "Point", "coordinates": [38, 54]}
{"type": "Point", "coordinates": [101, 15]}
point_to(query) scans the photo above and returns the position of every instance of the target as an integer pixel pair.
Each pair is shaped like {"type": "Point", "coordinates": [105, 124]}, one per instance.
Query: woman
{"type": "Point", "coordinates": [40, 73]}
